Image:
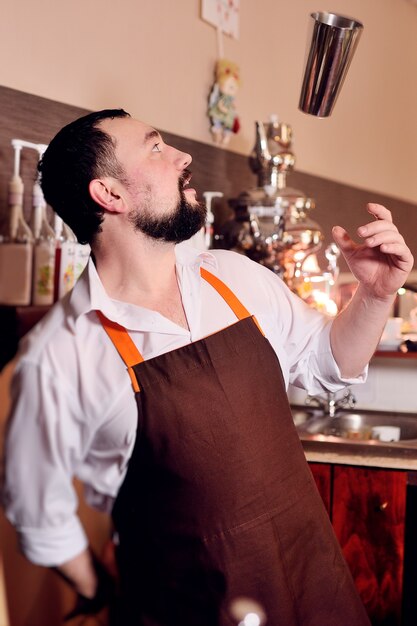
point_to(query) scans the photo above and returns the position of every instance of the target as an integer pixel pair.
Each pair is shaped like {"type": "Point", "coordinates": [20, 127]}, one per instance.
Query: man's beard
{"type": "Point", "coordinates": [184, 222]}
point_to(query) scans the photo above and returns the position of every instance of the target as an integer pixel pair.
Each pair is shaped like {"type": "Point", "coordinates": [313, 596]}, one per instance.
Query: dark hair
{"type": "Point", "coordinates": [79, 153]}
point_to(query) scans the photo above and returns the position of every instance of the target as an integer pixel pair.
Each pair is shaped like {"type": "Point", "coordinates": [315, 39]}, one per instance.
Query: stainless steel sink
{"type": "Point", "coordinates": [353, 425]}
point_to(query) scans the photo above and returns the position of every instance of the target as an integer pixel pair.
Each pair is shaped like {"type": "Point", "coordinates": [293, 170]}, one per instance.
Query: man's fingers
{"type": "Point", "coordinates": [379, 211]}
{"type": "Point", "coordinates": [384, 237]}
{"type": "Point", "coordinates": [341, 237]}
{"type": "Point", "coordinates": [374, 228]}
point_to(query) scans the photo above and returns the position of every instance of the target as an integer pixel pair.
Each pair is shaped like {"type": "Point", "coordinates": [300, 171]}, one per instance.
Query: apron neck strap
{"type": "Point", "coordinates": [229, 297]}
{"type": "Point", "coordinates": [227, 294]}
{"type": "Point", "coordinates": [124, 343]}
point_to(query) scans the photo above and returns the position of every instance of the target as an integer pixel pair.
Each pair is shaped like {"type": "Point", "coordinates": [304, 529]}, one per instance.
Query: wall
{"type": "Point", "coordinates": [156, 59]}
{"type": "Point", "coordinates": [38, 119]}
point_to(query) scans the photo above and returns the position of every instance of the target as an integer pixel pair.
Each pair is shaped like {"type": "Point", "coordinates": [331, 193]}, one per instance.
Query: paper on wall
{"type": "Point", "coordinates": [223, 14]}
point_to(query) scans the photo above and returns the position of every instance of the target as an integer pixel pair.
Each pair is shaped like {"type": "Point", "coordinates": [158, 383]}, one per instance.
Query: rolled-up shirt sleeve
{"type": "Point", "coordinates": [44, 443]}
{"type": "Point", "coordinates": [300, 336]}
{"type": "Point", "coordinates": [312, 364]}
{"type": "Point", "coordinates": [322, 364]}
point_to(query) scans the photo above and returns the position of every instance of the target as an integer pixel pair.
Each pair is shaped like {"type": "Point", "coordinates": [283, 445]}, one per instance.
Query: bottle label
{"type": "Point", "coordinates": [43, 273]}
{"type": "Point", "coordinates": [67, 268]}
{"type": "Point", "coordinates": [82, 254]}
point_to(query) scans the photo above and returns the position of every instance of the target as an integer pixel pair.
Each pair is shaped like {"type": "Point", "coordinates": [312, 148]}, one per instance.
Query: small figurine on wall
{"type": "Point", "coordinates": [221, 108]}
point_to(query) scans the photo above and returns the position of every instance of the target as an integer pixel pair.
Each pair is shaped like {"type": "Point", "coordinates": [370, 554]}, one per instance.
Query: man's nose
{"type": "Point", "coordinates": [182, 159]}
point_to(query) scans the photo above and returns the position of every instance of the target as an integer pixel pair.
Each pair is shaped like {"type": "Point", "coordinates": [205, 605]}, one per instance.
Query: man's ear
{"type": "Point", "coordinates": [106, 192]}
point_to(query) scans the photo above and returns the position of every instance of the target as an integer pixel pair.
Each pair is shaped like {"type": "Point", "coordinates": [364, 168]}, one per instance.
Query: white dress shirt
{"type": "Point", "coordinates": [74, 411]}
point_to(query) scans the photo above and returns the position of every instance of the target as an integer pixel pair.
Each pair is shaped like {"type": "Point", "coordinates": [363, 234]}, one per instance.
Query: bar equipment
{"type": "Point", "coordinates": [333, 41]}
{"type": "Point", "coordinates": [279, 215]}
{"type": "Point", "coordinates": [272, 222]}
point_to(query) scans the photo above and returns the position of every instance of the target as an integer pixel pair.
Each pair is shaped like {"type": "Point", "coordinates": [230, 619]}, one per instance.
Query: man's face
{"type": "Point", "coordinates": [156, 181]}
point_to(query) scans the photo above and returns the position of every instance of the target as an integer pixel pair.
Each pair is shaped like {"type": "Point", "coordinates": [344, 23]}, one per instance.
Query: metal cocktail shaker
{"type": "Point", "coordinates": [333, 41]}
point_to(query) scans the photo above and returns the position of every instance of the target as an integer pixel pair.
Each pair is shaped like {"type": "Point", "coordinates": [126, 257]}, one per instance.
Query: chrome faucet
{"type": "Point", "coordinates": [330, 404]}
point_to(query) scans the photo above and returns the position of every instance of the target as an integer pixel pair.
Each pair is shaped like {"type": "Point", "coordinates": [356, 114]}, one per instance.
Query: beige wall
{"type": "Point", "coordinates": [155, 58]}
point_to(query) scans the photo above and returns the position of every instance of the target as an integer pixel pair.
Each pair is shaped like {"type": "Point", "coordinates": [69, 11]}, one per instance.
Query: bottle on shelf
{"type": "Point", "coordinates": [65, 252]}
{"type": "Point", "coordinates": [82, 254]}
{"type": "Point", "coordinates": [208, 226]}
{"type": "Point", "coordinates": [43, 252]}
{"type": "Point", "coordinates": [203, 239]}
{"type": "Point", "coordinates": [16, 246]}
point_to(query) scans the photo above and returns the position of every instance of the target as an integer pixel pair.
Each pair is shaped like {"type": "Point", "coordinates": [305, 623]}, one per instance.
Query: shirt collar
{"type": "Point", "coordinates": [187, 255]}
{"type": "Point", "coordinates": [89, 294]}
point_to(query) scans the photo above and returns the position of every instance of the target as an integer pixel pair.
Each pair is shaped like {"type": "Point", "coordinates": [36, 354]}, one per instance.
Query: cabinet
{"type": "Point", "coordinates": [323, 476]}
{"type": "Point", "coordinates": [370, 510]}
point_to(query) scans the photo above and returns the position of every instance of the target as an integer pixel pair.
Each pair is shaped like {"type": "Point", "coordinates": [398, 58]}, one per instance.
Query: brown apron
{"type": "Point", "coordinates": [218, 502]}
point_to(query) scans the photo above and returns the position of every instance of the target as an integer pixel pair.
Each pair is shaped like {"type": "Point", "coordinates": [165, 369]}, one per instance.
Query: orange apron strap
{"type": "Point", "coordinates": [124, 346]}
{"type": "Point", "coordinates": [229, 297]}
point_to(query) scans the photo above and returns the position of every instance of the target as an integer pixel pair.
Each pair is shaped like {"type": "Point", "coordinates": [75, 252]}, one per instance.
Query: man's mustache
{"type": "Point", "coordinates": [184, 178]}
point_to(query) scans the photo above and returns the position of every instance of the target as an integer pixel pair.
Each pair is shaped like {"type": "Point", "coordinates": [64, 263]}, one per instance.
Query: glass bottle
{"type": "Point", "coordinates": [16, 251]}
{"type": "Point", "coordinates": [43, 252]}
{"type": "Point", "coordinates": [66, 244]}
